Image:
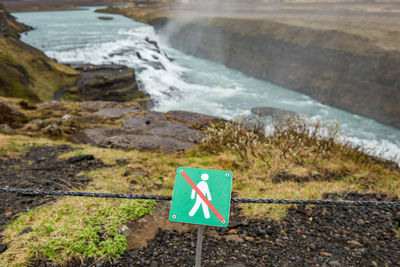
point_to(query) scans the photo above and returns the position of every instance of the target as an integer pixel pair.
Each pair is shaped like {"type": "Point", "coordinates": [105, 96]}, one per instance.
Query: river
{"type": "Point", "coordinates": [179, 81]}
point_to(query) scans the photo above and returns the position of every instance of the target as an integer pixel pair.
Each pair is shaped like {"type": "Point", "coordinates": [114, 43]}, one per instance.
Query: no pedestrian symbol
{"type": "Point", "coordinates": [201, 197]}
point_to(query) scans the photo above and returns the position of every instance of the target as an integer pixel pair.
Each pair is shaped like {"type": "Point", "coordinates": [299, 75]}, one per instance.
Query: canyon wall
{"type": "Point", "coordinates": [336, 68]}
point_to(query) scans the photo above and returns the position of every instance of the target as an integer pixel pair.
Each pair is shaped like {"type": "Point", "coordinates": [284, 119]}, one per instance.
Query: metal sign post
{"type": "Point", "coordinates": [201, 197]}
{"type": "Point", "coordinates": [199, 245]}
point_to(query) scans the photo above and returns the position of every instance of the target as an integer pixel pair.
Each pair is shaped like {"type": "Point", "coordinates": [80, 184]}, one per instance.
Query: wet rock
{"type": "Point", "coordinates": [274, 113]}
{"type": "Point", "coordinates": [105, 18]}
{"type": "Point", "coordinates": [104, 82]}
{"type": "Point", "coordinates": [77, 159]}
{"type": "Point", "coordinates": [116, 112]}
{"type": "Point", "coordinates": [5, 129]}
{"type": "Point", "coordinates": [10, 115]}
{"type": "Point", "coordinates": [152, 42]}
{"type": "Point", "coordinates": [194, 119]}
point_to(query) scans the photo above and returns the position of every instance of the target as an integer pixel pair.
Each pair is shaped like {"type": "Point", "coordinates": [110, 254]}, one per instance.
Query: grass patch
{"type": "Point", "coordinates": [72, 230]}
{"type": "Point", "coordinates": [17, 144]}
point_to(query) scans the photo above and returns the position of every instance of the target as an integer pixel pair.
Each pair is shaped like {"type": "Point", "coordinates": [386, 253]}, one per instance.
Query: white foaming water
{"type": "Point", "coordinates": [179, 81]}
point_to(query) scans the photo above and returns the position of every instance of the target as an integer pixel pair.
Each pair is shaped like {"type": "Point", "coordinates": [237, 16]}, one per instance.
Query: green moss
{"type": "Point", "coordinates": [75, 230]}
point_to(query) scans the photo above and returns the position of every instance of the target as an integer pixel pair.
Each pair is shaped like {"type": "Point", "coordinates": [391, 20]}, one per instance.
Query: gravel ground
{"type": "Point", "coordinates": [307, 236]}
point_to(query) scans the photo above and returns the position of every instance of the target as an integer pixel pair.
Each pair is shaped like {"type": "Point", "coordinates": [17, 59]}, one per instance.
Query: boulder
{"type": "Point", "coordinates": [275, 113]}
{"type": "Point", "coordinates": [10, 115]}
{"type": "Point", "coordinates": [194, 119]}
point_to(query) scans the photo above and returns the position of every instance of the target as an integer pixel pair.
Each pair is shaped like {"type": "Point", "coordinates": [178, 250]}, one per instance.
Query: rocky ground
{"type": "Point", "coordinates": [107, 124]}
{"type": "Point", "coordinates": [39, 169]}
{"type": "Point", "coordinates": [306, 236]}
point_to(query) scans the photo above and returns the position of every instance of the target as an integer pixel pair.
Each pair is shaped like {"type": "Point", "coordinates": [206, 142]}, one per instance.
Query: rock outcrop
{"type": "Point", "coordinates": [336, 68]}
{"type": "Point", "coordinates": [149, 131]}
{"type": "Point", "coordinates": [104, 83]}
{"type": "Point", "coordinates": [125, 125]}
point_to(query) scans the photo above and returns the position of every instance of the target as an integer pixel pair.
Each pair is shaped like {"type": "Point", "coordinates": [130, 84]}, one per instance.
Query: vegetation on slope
{"type": "Point", "coordinates": [26, 72]}
{"type": "Point", "coordinates": [296, 162]}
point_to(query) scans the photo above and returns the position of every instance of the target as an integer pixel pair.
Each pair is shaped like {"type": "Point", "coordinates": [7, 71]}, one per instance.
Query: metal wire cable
{"type": "Point", "coordinates": [32, 192]}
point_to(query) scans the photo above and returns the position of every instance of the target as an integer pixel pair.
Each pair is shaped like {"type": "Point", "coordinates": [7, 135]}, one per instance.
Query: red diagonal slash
{"type": "Point", "coordinates": [203, 197]}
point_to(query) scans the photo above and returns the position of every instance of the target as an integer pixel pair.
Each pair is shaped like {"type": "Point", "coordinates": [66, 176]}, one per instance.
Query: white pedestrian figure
{"type": "Point", "coordinates": [203, 186]}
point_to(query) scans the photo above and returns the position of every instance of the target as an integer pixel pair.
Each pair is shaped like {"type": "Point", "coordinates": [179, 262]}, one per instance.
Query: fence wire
{"type": "Point", "coordinates": [31, 192]}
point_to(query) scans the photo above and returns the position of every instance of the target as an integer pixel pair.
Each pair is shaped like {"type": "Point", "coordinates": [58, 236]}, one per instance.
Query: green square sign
{"type": "Point", "coordinates": [201, 197]}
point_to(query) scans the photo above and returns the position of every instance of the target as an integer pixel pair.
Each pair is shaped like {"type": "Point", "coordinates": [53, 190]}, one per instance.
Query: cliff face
{"type": "Point", "coordinates": [25, 71]}
{"type": "Point", "coordinates": [335, 68]}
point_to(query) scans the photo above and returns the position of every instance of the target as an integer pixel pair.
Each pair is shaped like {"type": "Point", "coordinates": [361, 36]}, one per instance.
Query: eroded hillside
{"type": "Point", "coordinates": [25, 71]}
